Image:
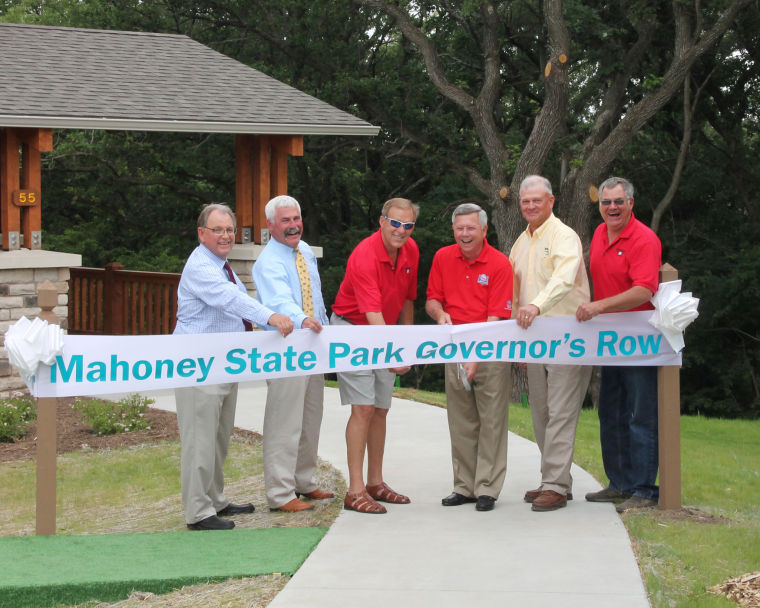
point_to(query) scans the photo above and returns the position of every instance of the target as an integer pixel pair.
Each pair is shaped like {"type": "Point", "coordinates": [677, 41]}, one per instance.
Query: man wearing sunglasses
{"type": "Point", "coordinates": [379, 288]}
{"type": "Point", "coordinates": [624, 262]}
{"type": "Point", "coordinates": [211, 299]}
{"type": "Point", "coordinates": [471, 282]}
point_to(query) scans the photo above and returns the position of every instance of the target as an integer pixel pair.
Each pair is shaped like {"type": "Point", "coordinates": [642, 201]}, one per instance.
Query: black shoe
{"type": "Point", "coordinates": [212, 522]}
{"type": "Point", "coordinates": [233, 509]}
{"type": "Point", "coordinates": [455, 499]}
{"type": "Point", "coordinates": [485, 503]}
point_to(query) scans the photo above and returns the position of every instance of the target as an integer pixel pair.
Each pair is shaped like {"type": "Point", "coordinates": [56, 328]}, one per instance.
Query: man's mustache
{"type": "Point", "coordinates": [292, 231]}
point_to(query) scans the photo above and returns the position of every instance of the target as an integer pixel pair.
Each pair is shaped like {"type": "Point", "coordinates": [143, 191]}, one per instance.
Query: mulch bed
{"type": "Point", "coordinates": [74, 434]}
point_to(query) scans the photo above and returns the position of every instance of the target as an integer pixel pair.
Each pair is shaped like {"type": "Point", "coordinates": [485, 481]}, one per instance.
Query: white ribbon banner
{"type": "Point", "coordinates": [93, 365]}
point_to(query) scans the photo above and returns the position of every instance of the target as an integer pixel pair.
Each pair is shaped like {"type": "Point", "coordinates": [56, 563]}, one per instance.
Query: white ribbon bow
{"type": "Point", "coordinates": [30, 343]}
{"type": "Point", "coordinates": [673, 312]}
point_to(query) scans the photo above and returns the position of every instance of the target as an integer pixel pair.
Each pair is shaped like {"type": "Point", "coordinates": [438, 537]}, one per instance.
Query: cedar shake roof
{"type": "Point", "coordinates": [70, 78]}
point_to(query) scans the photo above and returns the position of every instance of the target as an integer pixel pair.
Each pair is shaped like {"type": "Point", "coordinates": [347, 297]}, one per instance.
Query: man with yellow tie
{"type": "Point", "coordinates": [287, 281]}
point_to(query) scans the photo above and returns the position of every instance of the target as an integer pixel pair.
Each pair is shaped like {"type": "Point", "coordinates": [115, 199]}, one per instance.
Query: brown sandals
{"type": "Point", "coordinates": [362, 503]}
{"type": "Point", "coordinates": [383, 493]}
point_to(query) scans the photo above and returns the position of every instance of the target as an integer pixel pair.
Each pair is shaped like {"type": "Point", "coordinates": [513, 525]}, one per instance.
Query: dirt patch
{"type": "Point", "coordinates": [744, 590]}
{"type": "Point", "coordinates": [691, 514]}
{"type": "Point", "coordinates": [74, 434]}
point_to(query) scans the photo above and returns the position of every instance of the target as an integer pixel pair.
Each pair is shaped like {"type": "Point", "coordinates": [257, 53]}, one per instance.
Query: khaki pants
{"type": "Point", "coordinates": [292, 422]}
{"type": "Point", "coordinates": [556, 395]}
{"type": "Point", "coordinates": [478, 428]}
{"type": "Point", "coordinates": [205, 417]}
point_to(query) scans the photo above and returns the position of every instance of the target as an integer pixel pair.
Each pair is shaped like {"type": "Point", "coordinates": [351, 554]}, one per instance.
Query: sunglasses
{"type": "Point", "coordinates": [398, 224]}
{"type": "Point", "coordinates": [618, 202]}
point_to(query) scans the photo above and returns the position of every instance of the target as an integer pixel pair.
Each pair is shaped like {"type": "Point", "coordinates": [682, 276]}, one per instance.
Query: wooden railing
{"type": "Point", "coordinates": [118, 302]}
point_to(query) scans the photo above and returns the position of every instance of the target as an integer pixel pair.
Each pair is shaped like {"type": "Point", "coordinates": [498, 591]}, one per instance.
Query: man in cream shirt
{"type": "Point", "coordinates": [551, 281]}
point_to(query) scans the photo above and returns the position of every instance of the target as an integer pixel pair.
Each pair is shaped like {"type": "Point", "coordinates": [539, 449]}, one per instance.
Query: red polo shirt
{"type": "Point", "coordinates": [373, 284]}
{"type": "Point", "coordinates": [471, 291]}
{"type": "Point", "coordinates": [633, 258]}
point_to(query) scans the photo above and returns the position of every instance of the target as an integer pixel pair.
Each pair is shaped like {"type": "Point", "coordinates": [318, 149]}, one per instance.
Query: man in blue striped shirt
{"type": "Point", "coordinates": [211, 299]}
{"type": "Point", "coordinates": [287, 280]}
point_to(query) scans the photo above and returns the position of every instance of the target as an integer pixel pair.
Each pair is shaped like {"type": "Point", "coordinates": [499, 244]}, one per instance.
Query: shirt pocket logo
{"type": "Point", "coordinates": [483, 279]}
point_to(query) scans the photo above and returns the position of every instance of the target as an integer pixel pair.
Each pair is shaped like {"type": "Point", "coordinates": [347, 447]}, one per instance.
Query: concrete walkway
{"type": "Point", "coordinates": [424, 554]}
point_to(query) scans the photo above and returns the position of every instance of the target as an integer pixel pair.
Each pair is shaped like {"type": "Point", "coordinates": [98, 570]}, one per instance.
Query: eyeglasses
{"type": "Point", "coordinates": [221, 231]}
{"type": "Point", "coordinates": [618, 202]}
{"type": "Point", "coordinates": [398, 223]}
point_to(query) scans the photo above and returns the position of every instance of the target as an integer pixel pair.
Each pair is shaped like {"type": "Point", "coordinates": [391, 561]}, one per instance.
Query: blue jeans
{"type": "Point", "coordinates": [628, 429]}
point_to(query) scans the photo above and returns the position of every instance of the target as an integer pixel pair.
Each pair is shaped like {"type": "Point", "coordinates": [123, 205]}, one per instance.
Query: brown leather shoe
{"type": "Point", "coordinates": [549, 500]}
{"type": "Point", "coordinates": [318, 494]}
{"type": "Point", "coordinates": [294, 506]}
{"type": "Point", "coordinates": [531, 495]}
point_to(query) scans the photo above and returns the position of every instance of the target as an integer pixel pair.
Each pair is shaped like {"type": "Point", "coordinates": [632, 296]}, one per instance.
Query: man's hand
{"type": "Point", "coordinates": [312, 324]}
{"type": "Point", "coordinates": [588, 311]}
{"type": "Point", "coordinates": [444, 319]}
{"type": "Point", "coordinates": [281, 322]}
{"type": "Point", "coordinates": [526, 314]}
{"type": "Point", "coordinates": [400, 371]}
{"type": "Point", "coordinates": [470, 368]}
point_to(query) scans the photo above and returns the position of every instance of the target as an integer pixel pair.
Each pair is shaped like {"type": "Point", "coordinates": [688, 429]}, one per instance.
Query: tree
{"type": "Point", "coordinates": [621, 76]}
{"type": "Point", "coordinates": [663, 93]}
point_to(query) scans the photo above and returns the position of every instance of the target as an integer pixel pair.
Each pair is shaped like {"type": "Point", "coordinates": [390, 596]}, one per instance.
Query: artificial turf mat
{"type": "Point", "coordinates": [41, 571]}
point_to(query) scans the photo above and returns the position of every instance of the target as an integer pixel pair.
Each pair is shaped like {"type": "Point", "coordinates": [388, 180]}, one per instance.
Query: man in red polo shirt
{"type": "Point", "coordinates": [379, 288]}
{"type": "Point", "coordinates": [625, 260]}
{"type": "Point", "coordinates": [471, 282]}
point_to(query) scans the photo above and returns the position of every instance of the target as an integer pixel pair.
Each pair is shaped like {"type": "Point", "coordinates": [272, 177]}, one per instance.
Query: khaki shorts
{"type": "Point", "coordinates": [365, 387]}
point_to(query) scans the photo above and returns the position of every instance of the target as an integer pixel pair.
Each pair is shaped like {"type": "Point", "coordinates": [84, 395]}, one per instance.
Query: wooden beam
{"type": "Point", "coordinates": [669, 422]}
{"type": "Point", "coordinates": [289, 144]}
{"type": "Point", "coordinates": [279, 174]}
{"type": "Point", "coordinates": [10, 216]}
{"type": "Point", "coordinates": [262, 165]}
{"type": "Point", "coordinates": [31, 179]}
{"type": "Point", "coordinates": [45, 143]}
{"type": "Point", "coordinates": [244, 186]}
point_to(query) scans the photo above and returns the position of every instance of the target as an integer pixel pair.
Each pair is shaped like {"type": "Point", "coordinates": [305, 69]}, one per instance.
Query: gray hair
{"type": "Point", "coordinates": [611, 182]}
{"type": "Point", "coordinates": [279, 202]}
{"type": "Point", "coordinates": [401, 203]}
{"type": "Point", "coordinates": [536, 181]}
{"type": "Point", "coordinates": [467, 209]}
{"type": "Point", "coordinates": [206, 211]}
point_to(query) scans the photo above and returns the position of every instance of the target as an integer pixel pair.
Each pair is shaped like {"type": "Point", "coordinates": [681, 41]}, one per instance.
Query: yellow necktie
{"type": "Point", "coordinates": [303, 276]}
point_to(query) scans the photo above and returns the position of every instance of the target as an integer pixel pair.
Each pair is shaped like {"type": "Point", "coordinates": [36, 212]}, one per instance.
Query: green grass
{"type": "Point", "coordinates": [137, 489]}
{"type": "Point", "coordinates": [717, 535]}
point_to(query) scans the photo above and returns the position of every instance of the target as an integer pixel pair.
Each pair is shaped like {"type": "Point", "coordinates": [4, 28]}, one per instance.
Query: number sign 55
{"type": "Point", "coordinates": [26, 198]}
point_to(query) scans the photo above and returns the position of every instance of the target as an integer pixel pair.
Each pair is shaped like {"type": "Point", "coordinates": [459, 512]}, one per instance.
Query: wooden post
{"type": "Point", "coordinates": [10, 215]}
{"type": "Point", "coordinates": [34, 141]}
{"type": "Point", "coordinates": [262, 170]}
{"type": "Point", "coordinates": [47, 430]}
{"type": "Point", "coordinates": [283, 146]}
{"type": "Point", "coordinates": [244, 187]}
{"type": "Point", "coordinates": [669, 422]}
{"type": "Point", "coordinates": [21, 186]}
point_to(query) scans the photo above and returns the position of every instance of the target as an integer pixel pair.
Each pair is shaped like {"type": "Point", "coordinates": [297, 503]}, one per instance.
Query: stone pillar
{"type": "Point", "coordinates": [21, 273]}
